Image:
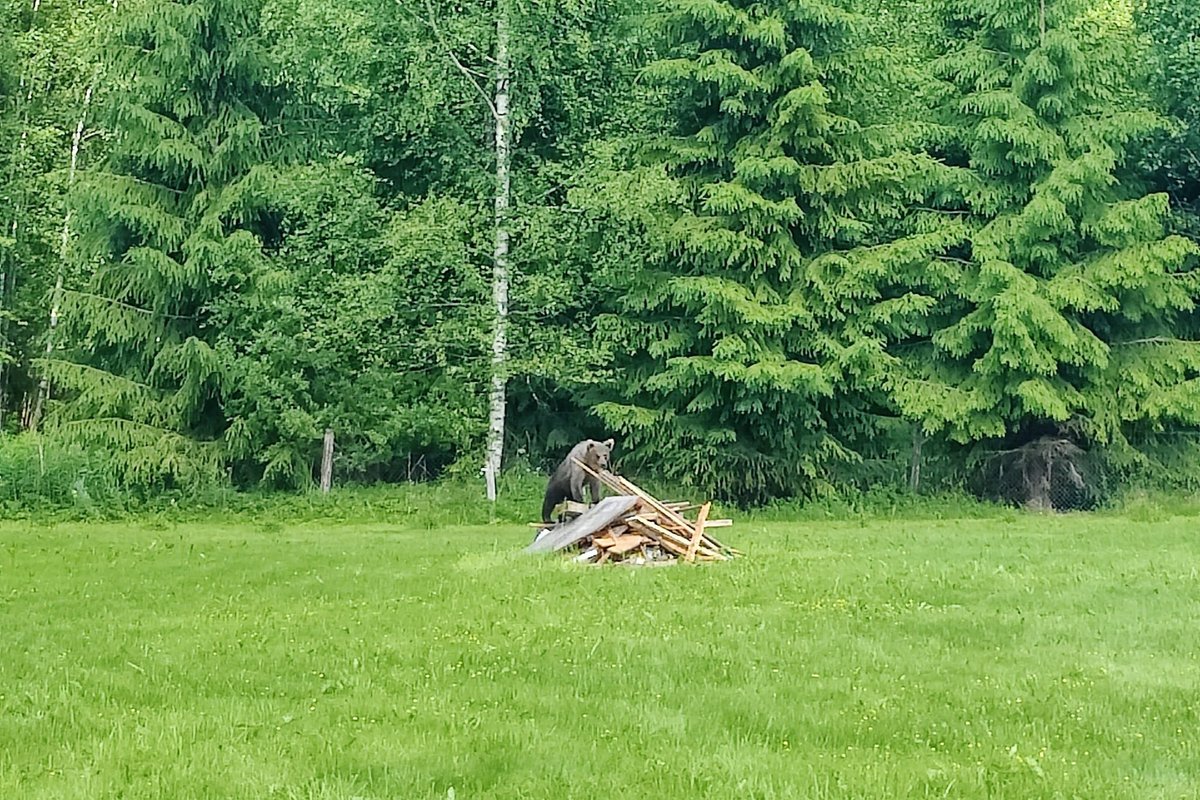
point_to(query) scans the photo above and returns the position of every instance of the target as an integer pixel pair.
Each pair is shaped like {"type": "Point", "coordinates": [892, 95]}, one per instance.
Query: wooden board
{"type": "Point", "coordinates": [631, 541]}
{"type": "Point", "coordinates": [701, 518]}
{"type": "Point", "coordinates": [669, 519]}
{"type": "Point", "coordinates": [598, 517]}
{"type": "Point", "coordinates": [669, 540]}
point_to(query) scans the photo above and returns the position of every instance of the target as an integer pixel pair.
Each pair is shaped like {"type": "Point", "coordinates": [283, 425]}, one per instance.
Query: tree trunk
{"type": "Point", "coordinates": [498, 398]}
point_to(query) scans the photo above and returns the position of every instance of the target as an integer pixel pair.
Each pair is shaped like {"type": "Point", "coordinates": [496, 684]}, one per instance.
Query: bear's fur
{"type": "Point", "coordinates": [566, 483]}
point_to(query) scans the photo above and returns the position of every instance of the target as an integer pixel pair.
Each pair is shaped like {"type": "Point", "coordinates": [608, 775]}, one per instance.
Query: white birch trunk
{"type": "Point", "coordinates": [498, 397]}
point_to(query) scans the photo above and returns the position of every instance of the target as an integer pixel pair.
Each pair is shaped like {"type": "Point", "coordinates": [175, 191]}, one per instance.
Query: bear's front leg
{"type": "Point", "coordinates": [577, 487]}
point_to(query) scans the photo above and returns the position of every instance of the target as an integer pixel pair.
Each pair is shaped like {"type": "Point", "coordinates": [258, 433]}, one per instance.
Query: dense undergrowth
{"type": "Point", "coordinates": [44, 480]}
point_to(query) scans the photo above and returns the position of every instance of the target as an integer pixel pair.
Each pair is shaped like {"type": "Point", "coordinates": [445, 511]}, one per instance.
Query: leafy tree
{"type": "Point", "coordinates": [376, 329]}
{"type": "Point", "coordinates": [1172, 29]}
{"type": "Point", "coordinates": [42, 90]}
{"type": "Point", "coordinates": [1070, 288]}
{"type": "Point", "coordinates": [8, 119]}
{"type": "Point", "coordinates": [756, 335]}
{"type": "Point", "coordinates": [172, 226]}
{"type": "Point", "coordinates": [382, 84]}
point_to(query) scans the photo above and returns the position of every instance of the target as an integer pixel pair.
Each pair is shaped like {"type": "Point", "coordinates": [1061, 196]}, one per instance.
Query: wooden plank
{"type": "Point", "coordinates": [327, 461]}
{"type": "Point", "coordinates": [668, 519]}
{"type": "Point", "coordinates": [719, 523]}
{"type": "Point", "coordinates": [674, 542]}
{"type": "Point", "coordinates": [571, 507]}
{"type": "Point", "coordinates": [630, 541]}
{"type": "Point", "coordinates": [658, 536]}
{"type": "Point", "coordinates": [604, 542]}
{"type": "Point", "coordinates": [699, 534]}
{"type": "Point", "coordinates": [598, 517]}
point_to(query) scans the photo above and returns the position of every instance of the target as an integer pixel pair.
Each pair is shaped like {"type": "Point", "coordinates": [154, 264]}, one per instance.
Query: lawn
{"type": "Point", "coordinates": [1019, 657]}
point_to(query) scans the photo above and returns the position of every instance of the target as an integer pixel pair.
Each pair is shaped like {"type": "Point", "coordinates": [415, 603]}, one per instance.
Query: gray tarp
{"type": "Point", "coordinates": [596, 518]}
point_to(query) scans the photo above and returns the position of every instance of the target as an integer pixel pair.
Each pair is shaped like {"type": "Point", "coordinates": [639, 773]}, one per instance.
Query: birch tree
{"type": "Point", "coordinates": [498, 104]}
{"type": "Point", "coordinates": [498, 406]}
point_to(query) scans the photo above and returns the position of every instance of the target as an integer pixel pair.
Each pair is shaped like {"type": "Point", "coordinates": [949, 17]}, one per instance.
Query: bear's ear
{"type": "Point", "coordinates": [591, 445]}
{"type": "Point", "coordinates": [608, 443]}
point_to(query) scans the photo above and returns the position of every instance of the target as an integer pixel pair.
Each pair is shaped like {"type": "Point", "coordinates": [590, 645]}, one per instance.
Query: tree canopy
{"type": "Point", "coordinates": [769, 245]}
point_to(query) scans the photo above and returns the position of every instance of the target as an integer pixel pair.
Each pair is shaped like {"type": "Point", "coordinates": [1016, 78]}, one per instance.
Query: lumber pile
{"type": "Point", "coordinates": [631, 527]}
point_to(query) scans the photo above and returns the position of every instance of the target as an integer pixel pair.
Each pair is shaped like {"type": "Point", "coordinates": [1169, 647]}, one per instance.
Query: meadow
{"type": "Point", "coordinates": [1010, 656]}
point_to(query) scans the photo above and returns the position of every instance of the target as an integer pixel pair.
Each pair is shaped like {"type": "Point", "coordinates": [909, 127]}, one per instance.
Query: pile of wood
{"type": "Point", "coordinates": [631, 527]}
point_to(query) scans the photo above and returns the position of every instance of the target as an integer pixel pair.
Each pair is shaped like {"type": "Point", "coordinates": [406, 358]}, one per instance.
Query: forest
{"type": "Point", "coordinates": [777, 249]}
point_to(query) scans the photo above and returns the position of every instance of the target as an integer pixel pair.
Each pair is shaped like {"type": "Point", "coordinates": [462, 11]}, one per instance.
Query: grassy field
{"type": "Point", "coordinates": [1023, 657]}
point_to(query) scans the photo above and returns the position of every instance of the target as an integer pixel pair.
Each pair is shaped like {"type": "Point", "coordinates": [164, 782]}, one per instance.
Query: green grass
{"type": "Point", "coordinates": [1011, 657]}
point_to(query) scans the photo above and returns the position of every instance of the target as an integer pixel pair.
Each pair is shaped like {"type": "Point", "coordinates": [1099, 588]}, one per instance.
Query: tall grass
{"type": "Point", "coordinates": [42, 478]}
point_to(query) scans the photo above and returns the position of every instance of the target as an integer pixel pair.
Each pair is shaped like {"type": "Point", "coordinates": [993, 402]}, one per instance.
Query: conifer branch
{"type": "Point", "coordinates": [147, 312]}
{"type": "Point", "coordinates": [1154, 340]}
{"type": "Point", "coordinates": [946, 211]}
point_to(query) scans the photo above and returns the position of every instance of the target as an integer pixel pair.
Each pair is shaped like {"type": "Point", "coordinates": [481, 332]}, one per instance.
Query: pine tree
{"type": "Point", "coordinates": [1070, 287]}
{"type": "Point", "coordinates": [170, 226]}
{"type": "Point", "coordinates": [757, 342]}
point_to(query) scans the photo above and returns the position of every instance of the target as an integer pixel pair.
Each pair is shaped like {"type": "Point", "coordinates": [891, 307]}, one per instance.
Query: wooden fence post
{"type": "Point", "coordinates": [914, 469]}
{"type": "Point", "coordinates": [327, 462]}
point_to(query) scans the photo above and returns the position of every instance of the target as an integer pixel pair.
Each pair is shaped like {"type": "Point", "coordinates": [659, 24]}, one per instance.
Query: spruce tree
{"type": "Point", "coordinates": [1070, 290]}
{"type": "Point", "coordinates": [755, 343]}
{"type": "Point", "coordinates": [169, 226]}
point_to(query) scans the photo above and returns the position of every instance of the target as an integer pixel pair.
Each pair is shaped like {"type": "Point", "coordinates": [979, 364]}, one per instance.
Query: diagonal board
{"type": "Point", "coordinates": [596, 518]}
{"type": "Point", "coordinates": [668, 517]}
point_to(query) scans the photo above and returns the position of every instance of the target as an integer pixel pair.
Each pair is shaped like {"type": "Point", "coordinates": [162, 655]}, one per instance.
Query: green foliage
{"type": "Point", "coordinates": [1070, 289]}
{"type": "Point", "coordinates": [792, 254]}
{"type": "Point", "coordinates": [1171, 29]}
{"type": "Point", "coordinates": [39, 472]}
{"type": "Point", "coordinates": [376, 328]}
{"type": "Point", "coordinates": [760, 242]}
{"type": "Point", "coordinates": [46, 65]}
{"type": "Point", "coordinates": [172, 225]}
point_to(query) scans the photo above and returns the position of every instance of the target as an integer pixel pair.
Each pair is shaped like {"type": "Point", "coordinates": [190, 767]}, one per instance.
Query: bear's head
{"type": "Point", "coordinates": [598, 454]}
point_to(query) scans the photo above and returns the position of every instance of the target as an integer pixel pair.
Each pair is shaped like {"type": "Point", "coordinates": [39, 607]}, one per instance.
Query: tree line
{"type": "Point", "coordinates": [768, 245]}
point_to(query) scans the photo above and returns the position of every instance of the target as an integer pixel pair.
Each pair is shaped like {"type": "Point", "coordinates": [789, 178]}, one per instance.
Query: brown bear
{"type": "Point", "coordinates": [566, 483]}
